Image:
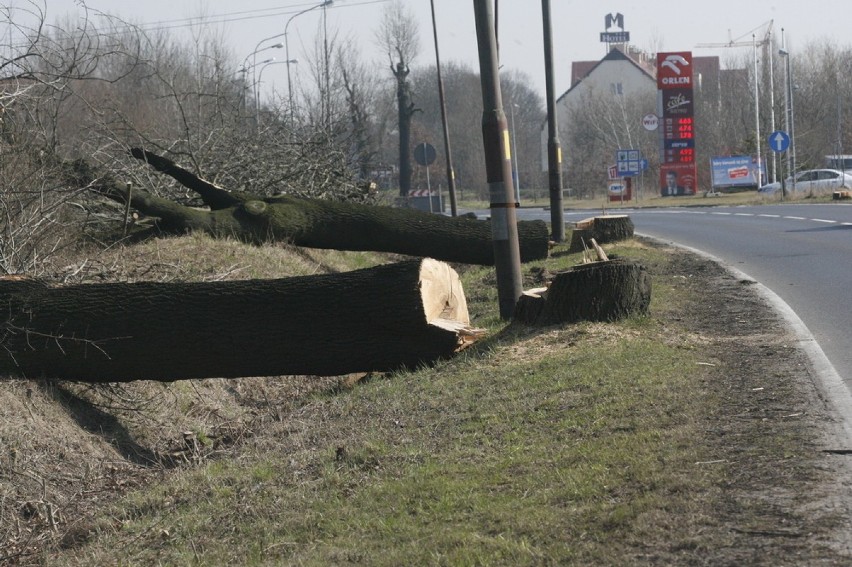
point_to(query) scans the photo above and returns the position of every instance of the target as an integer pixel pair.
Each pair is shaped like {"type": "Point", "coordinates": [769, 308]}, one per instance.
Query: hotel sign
{"type": "Point", "coordinates": [614, 26]}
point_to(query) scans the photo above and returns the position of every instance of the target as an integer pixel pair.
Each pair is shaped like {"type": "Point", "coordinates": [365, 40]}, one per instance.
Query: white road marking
{"type": "Point", "coordinates": [824, 220]}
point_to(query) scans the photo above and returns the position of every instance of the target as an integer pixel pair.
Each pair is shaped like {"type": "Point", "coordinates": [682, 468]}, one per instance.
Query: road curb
{"type": "Point", "coordinates": [829, 382]}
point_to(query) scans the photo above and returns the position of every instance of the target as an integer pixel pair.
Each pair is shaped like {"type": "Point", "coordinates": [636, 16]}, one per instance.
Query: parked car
{"type": "Point", "coordinates": [813, 180]}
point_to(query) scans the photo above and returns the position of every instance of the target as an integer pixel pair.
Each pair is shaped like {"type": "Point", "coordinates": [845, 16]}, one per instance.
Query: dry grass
{"type": "Point", "coordinates": [67, 448]}
{"type": "Point", "coordinates": [656, 440]}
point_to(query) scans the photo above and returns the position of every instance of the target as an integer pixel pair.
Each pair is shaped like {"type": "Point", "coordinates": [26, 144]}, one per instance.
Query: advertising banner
{"type": "Point", "coordinates": [678, 179]}
{"type": "Point", "coordinates": [734, 171]}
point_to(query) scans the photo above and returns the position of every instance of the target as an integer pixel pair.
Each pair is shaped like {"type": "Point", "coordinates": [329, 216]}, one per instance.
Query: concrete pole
{"type": "Point", "coordinates": [554, 150]}
{"type": "Point", "coordinates": [498, 166]}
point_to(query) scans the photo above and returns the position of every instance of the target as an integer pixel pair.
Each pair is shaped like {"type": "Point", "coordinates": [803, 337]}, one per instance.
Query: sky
{"type": "Point", "coordinates": [654, 25]}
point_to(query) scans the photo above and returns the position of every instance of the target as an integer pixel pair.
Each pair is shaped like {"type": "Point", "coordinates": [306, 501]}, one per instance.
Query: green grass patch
{"type": "Point", "coordinates": [563, 445]}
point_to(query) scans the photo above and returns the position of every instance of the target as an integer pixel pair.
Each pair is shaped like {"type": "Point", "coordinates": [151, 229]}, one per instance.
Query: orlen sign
{"type": "Point", "coordinates": [674, 70]}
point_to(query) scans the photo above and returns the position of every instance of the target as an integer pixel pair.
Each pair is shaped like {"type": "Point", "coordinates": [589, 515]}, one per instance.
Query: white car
{"type": "Point", "coordinates": [813, 180]}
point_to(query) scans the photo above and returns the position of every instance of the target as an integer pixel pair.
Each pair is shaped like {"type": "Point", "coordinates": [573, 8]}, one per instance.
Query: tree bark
{"type": "Point", "coordinates": [316, 223]}
{"type": "Point", "coordinates": [604, 229]}
{"type": "Point", "coordinates": [376, 319]}
{"type": "Point", "coordinates": [600, 291]}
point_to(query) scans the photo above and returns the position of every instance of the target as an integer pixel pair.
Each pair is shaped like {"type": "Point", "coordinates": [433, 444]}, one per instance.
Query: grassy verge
{"type": "Point", "coordinates": [653, 200]}
{"type": "Point", "coordinates": [565, 445]}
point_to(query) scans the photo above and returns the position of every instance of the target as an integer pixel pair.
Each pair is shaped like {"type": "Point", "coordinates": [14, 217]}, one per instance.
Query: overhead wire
{"type": "Point", "coordinates": [215, 19]}
{"type": "Point", "coordinates": [243, 15]}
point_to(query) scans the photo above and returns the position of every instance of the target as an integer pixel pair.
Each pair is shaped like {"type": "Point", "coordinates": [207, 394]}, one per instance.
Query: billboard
{"type": "Point", "coordinates": [735, 171]}
{"type": "Point", "coordinates": [677, 134]}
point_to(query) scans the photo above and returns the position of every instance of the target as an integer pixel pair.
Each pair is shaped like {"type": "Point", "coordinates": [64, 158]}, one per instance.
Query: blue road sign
{"type": "Point", "coordinates": [779, 141]}
{"type": "Point", "coordinates": [628, 162]}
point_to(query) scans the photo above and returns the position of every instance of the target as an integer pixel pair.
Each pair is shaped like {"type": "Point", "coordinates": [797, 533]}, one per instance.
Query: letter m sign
{"type": "Point", "coordinates": [614, 19]}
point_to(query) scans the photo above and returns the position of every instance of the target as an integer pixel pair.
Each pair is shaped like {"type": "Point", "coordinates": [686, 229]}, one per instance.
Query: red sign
{"type": "Point", "coordinates": [738, 172]}
{"type": "Point", "coordinates": [678, 179]}
{"type": "Point", "coordinates": [677, 136]}
{"type": "Point", "coordinates": [612, 172]}
{"type": "Point", "coordinates": [674, 70]}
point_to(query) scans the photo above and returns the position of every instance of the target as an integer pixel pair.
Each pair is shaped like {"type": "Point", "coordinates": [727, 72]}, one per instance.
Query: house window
{"type": "Point", "coordinates": [615, 88]}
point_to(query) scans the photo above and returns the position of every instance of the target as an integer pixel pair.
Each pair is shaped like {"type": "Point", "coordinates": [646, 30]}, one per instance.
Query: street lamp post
{"type": "Point", "coordinates": [757, 112]}
{"type": "Point", "coordinates": [451, 181]}
{"type": "Point", "coordinates": [323, 4]}
{"type": "Point", "coordinates": [244, 70]}
{"type": "Point", "coordinates": [789, 119]}
{"type": "Point", "coordinates": [772, 102]}
{"type": "Point", "coordinates": [265, 64]}
{"type": "Point", "coordinates": [254, 63]}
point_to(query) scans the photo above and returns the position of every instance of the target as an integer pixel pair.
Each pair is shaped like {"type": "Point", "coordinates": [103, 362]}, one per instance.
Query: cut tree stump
{"type": "Point", "coordinates": [376, 319]}
{"type": "Point", "coordinates": [604, 229]}
{"type": "Point", "coordinates": [600, 291]}
{"type": "Point", "coordinates": [317, 223]}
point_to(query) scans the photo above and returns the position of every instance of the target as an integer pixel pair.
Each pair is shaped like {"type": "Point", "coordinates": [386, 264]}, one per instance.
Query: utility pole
{"type": "Point", "coordinates": [498, 165]}
{"type": "Point", "coordinates": [448, 156]}
{"type": "Point", "coordinates": [554, 151]}
{"type": "Point", "coordinates": [757, 112]}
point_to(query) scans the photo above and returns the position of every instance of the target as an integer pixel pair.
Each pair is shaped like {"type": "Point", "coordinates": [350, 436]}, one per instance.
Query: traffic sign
{"type": "Point", "coordinates": [628, 162]}
{"type": "Point", "coordinates": [779, 141]}
{"type": "Point", "coordinates": [424, 154]}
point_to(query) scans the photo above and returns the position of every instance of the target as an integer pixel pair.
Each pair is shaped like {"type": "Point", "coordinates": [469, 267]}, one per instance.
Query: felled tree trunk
{"type": "Point", "coordinates": [376, 319]}
{"type": "Point", "coordinates": [604, 229]}
{"type": "Point", "coordinates": [600, 291]}
{"type": "Point", "coordinates": [316, 223]}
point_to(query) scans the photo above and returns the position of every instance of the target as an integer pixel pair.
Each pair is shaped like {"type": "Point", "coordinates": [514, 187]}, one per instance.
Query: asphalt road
{"type": "Point", "coordinates": [801, 252]}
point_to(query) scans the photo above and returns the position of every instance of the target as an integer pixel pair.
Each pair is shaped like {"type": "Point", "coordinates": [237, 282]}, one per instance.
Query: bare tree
{"type": "Point", "coordinates": [598, 124]}
{"type": "Point", "coordinates": [398, 35]}
{"type": "Point", "coordinates": [39, 70]}
{"type": "Point", "coordinates": [361, 103]}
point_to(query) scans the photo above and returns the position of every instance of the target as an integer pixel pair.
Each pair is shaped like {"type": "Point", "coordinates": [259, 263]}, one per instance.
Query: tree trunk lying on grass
{"type": "Point", "coordinates": [375, 319]}
{"type": "Point", "coordinates": [315, 223]}
{"type": "Point", "coordinates": [604, 229]}
{"type": "Point", "coordinates": [600, 291]}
